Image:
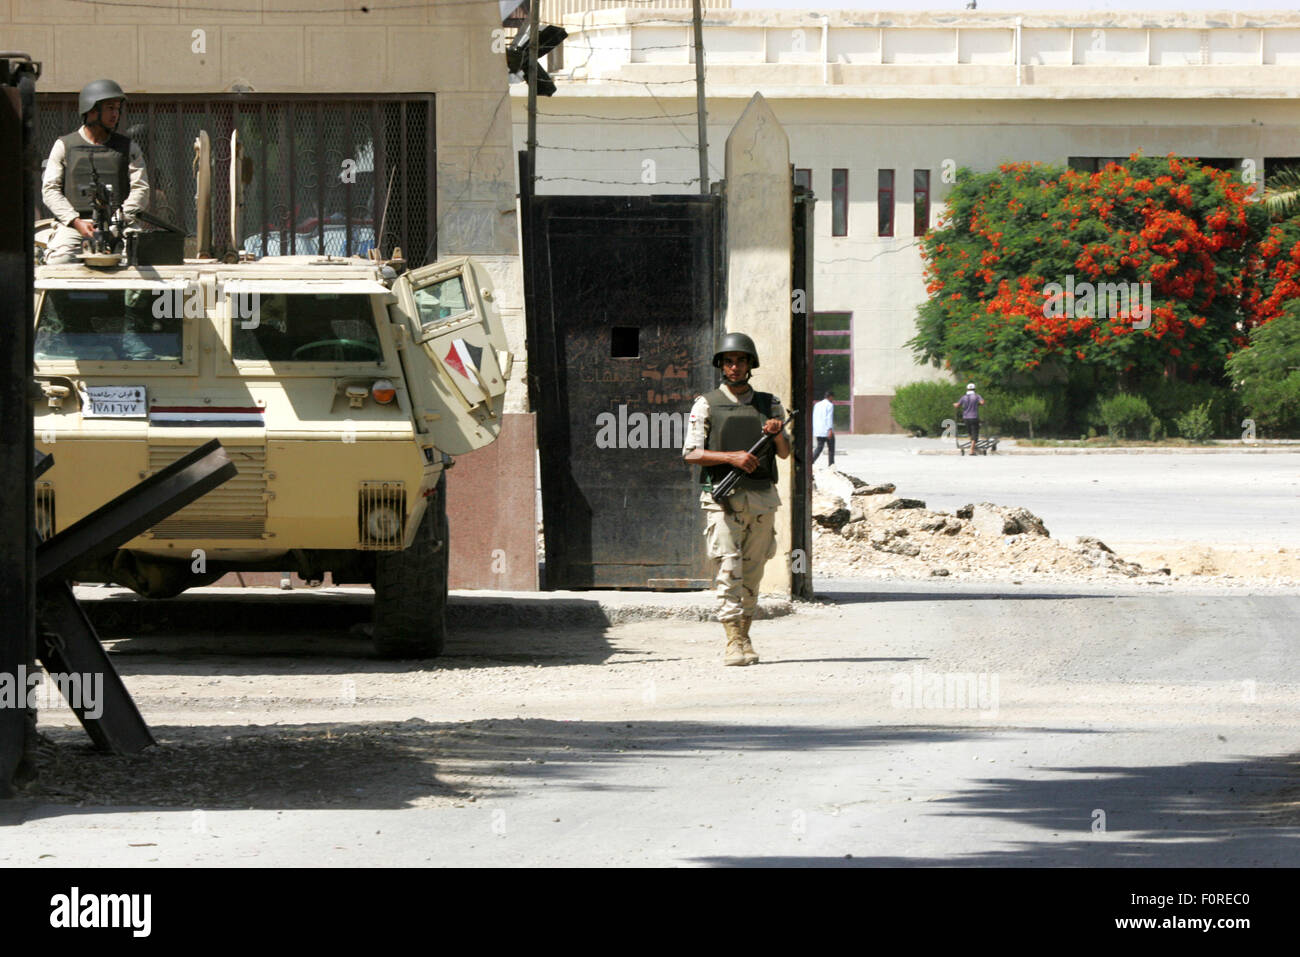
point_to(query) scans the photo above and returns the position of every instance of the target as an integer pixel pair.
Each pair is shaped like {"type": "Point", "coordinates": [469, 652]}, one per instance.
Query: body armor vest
{"type": "Point", "coordinates": [112, 162]}
{"type": "Point", "coordinates": [735, 427]}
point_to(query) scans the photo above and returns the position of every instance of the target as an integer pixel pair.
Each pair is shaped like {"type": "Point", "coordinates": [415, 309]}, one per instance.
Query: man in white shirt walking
{"type": "Point", "coordinates": [823, 427]}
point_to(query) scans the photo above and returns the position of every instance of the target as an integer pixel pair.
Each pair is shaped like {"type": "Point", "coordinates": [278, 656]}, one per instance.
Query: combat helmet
{"type": "Point", "coordinates": [95, 92]}
{"type": "Point", "coordinates": [736, 342]}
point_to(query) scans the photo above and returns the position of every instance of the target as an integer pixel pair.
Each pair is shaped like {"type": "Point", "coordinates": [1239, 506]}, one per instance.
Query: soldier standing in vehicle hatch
{"type": "Point", "coordinates": [724, 424]}
{"type": "Point", "coordinates": [118, 161]}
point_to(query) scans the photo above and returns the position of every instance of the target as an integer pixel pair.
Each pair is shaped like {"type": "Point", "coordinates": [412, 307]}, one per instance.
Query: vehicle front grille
{"type": "Point", "coordinates": [233, 510]}
{"type": "Point", "coordinates": [372, 497]}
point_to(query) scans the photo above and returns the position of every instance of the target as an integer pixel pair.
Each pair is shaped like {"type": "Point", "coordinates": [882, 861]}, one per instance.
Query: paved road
{"type": "Point", "coordinates": [1167, 497]}
{"type": "Point", "coordinates": [1126, 726]}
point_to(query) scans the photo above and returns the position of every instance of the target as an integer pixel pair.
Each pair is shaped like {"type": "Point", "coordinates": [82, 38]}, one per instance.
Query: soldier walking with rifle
{"type": "Point", "coordinates": [93, 166]}
{"type": "Point", "coordinates": [735, 435]}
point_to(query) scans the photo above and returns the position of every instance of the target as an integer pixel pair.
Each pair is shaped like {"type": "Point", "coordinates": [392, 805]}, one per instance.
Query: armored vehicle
{"type": "Point", "coordinates": [341, 389]}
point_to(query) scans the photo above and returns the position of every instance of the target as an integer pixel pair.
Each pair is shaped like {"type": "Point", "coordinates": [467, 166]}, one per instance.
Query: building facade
{"type": "Point", "coordinates": [882, 109]}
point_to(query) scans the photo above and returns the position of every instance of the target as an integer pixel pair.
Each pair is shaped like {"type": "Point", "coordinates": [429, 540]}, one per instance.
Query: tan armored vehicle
{"type": "Point", "coordinates": [340, 389]}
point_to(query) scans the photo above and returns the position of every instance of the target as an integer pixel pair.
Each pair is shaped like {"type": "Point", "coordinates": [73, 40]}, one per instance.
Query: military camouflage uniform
{"type": "Point", "coordinates": [65, 242]}
{"type": "Point", "coordinates": [740, 542]}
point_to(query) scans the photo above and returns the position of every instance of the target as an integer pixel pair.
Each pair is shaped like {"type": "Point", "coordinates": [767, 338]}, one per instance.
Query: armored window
{"type": "Point", "coordinates": [440, 302]}
{"type": "Point", "coordinates": [109, 325]}
{"type": "Point", "coordinates": [304, 327]}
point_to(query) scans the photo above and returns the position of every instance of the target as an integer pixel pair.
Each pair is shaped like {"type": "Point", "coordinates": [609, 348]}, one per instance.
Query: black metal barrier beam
{"type": "Point", "coordinates": [70, 651]}
{"type": "Point", "coordinates": [69, 648]}
{"type": "Point", "coordinates": [134, 511]}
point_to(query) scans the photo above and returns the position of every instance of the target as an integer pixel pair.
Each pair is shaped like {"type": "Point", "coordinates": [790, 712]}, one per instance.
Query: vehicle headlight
{"type": "Point", "coordinates": [384, 524]}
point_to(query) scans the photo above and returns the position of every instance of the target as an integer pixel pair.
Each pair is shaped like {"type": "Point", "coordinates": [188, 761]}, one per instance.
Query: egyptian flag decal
{"type": "Point", "coordinates": [465, 359]}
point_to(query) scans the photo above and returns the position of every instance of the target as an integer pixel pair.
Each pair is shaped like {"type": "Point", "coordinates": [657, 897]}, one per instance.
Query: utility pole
{"type": "Point", "coordinates": [699, 97]}
{"type": "Point", "coordinates": [534, 18]}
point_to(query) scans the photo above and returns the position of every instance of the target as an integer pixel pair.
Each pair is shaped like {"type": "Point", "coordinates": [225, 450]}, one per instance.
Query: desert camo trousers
{"type": "Point", "coordinates": [739, 542]}
{"type": "Point", "coordinates": [64, 246]}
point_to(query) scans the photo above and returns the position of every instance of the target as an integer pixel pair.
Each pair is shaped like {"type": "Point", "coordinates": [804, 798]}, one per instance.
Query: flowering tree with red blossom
{"type": "Point", "coordinates": [1040, 274]}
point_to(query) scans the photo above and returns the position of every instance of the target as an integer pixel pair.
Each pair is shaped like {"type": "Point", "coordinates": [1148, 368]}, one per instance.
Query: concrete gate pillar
{"type": "Point", "coordinates": [760, 239]}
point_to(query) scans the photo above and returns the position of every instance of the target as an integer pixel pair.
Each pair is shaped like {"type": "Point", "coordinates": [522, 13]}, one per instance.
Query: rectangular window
{"type": "Point", "coordinates": [920, 201]}
{"type": "Point", "coordinates": [833, 364]}
{"type": "Point", "coordinates": [839, 202]}
{"type": "Point", "coordinates": [109, 325]}
{"type": "Point", "coordinates": [310, 327]}
{"type": "Point", "coordinates": [1274, 165]}
{"type": "Point", "coordinates": [1093, 164]}
{"type": "Point", "coordinates": [803, 177]}
{"type": "Point", "coordinates": [885, 202]}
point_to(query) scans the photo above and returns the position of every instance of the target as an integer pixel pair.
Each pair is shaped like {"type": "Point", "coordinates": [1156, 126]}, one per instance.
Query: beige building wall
{"type": "Point", "coordinates": [454, 51]}
{"type": "Point", "coordinates": [865, 91]}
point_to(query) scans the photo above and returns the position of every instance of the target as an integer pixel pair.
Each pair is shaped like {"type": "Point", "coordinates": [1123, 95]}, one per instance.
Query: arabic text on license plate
{"type": "Point", "coordinates": [116, 401]}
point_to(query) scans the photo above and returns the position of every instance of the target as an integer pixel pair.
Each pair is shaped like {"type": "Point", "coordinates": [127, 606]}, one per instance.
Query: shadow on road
{"type": "Point", "coordinates": [1200, 814]}
{"type": "Point", "coordinates": [392, 765]}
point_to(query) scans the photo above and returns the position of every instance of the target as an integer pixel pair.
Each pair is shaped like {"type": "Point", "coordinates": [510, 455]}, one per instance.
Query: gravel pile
{"type": "Point", "coordinates": [863, 530]}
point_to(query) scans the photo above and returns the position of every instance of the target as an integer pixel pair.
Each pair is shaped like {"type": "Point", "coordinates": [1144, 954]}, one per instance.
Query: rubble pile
{"type": "Point", "coordinates": [863, 530]}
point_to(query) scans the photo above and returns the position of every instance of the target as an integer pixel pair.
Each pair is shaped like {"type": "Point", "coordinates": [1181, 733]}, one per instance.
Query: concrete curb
{"type": "Point", "coordinates": [117, 611]}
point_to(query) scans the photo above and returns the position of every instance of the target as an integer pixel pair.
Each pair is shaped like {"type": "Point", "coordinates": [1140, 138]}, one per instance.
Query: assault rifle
{"type": "Point", "coordinates": [722, 491]}
{"type": "Point", "coordinates": [108, 231]}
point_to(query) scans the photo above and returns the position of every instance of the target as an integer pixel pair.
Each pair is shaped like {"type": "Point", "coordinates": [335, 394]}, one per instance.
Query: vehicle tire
{"type": "Point", "coordinates": [411, 589]}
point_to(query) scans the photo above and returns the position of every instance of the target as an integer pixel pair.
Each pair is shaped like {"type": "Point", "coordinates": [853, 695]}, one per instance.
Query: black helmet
{"type": "Point", "coordinates": [96, 91]}
{"type": "Point", "coordinates": [736, 342]}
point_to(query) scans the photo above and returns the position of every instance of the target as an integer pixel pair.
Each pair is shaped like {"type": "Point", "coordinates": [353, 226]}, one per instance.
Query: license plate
{"type": "Point", "coordinates": [115, 402]}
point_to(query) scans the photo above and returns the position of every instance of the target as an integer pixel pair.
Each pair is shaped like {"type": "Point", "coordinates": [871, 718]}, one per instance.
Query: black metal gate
{"type": "Point", "coordinates": [17, 532]}
{"type": "Point", "coordinates": [323, 167]}
{"type": "Point", "coordinates": [801, 378]}
{"type": "Point", "coordinates": [623, 297]}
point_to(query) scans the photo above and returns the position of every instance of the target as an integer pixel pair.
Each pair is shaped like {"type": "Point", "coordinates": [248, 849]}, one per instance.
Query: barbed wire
{"type": "Point", "coordinates": [611, 149]}
{"type": "Point", "coordinates": [618, 119]}
{"type": "Point", "coordinates": [617, 182]}
{"type": "Point", "coordinates": [683, 135]}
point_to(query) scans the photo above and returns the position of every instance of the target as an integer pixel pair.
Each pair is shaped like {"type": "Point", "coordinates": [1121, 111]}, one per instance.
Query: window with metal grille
{"type": "Point", "coordinates": [920, 201]}
{"type": "Point", "coordinates": [839, 202]}
{"type": "Point", "coordinates": [885, 202]}
{"type": "Point", "coordinates": [328, 173]}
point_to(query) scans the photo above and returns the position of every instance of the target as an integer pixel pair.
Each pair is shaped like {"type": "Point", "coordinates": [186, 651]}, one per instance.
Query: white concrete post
{"type": "Point", "coordinates": [760, 239]}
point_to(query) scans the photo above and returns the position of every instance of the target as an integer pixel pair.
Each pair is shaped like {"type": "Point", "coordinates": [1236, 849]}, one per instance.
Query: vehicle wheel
{"type": "Point", "coordinates": [411, 589]}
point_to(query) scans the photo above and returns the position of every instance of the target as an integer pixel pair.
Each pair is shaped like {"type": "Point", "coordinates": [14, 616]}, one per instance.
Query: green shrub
{"type": "Point", "coordinates": [1124, 414]}
{"type": "Point", "coordinates": [922, 406]}
{"type": "Point", "coordinates": [1171, 398]}
{"type": "Point", "coordinates": [1268, 373]}
{"type": "Point", "coordinates": [1157, 430]}
{"type": "Point", "coordinates": [1030, 410]}
{"type": "Point", "coordinates": [1194, 424]}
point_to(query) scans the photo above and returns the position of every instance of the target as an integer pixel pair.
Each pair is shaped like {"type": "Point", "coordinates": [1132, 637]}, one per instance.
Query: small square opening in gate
{"type": "Point", "coordinates": [625, 342]}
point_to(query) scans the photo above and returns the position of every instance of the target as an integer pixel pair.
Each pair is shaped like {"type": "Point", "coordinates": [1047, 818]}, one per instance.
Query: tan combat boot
{"type": "Point", "coordinates": [735, 644]}
{"type": "Point", "coordinates": [751, 656]}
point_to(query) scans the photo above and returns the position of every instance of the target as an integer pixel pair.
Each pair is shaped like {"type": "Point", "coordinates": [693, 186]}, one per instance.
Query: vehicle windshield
{"type": "Point", "coordinates": [304, 327]}
{"type": "Point", "coordinates": [106, 325]}
{"type": "Point", "coordinates": [440, 300]}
